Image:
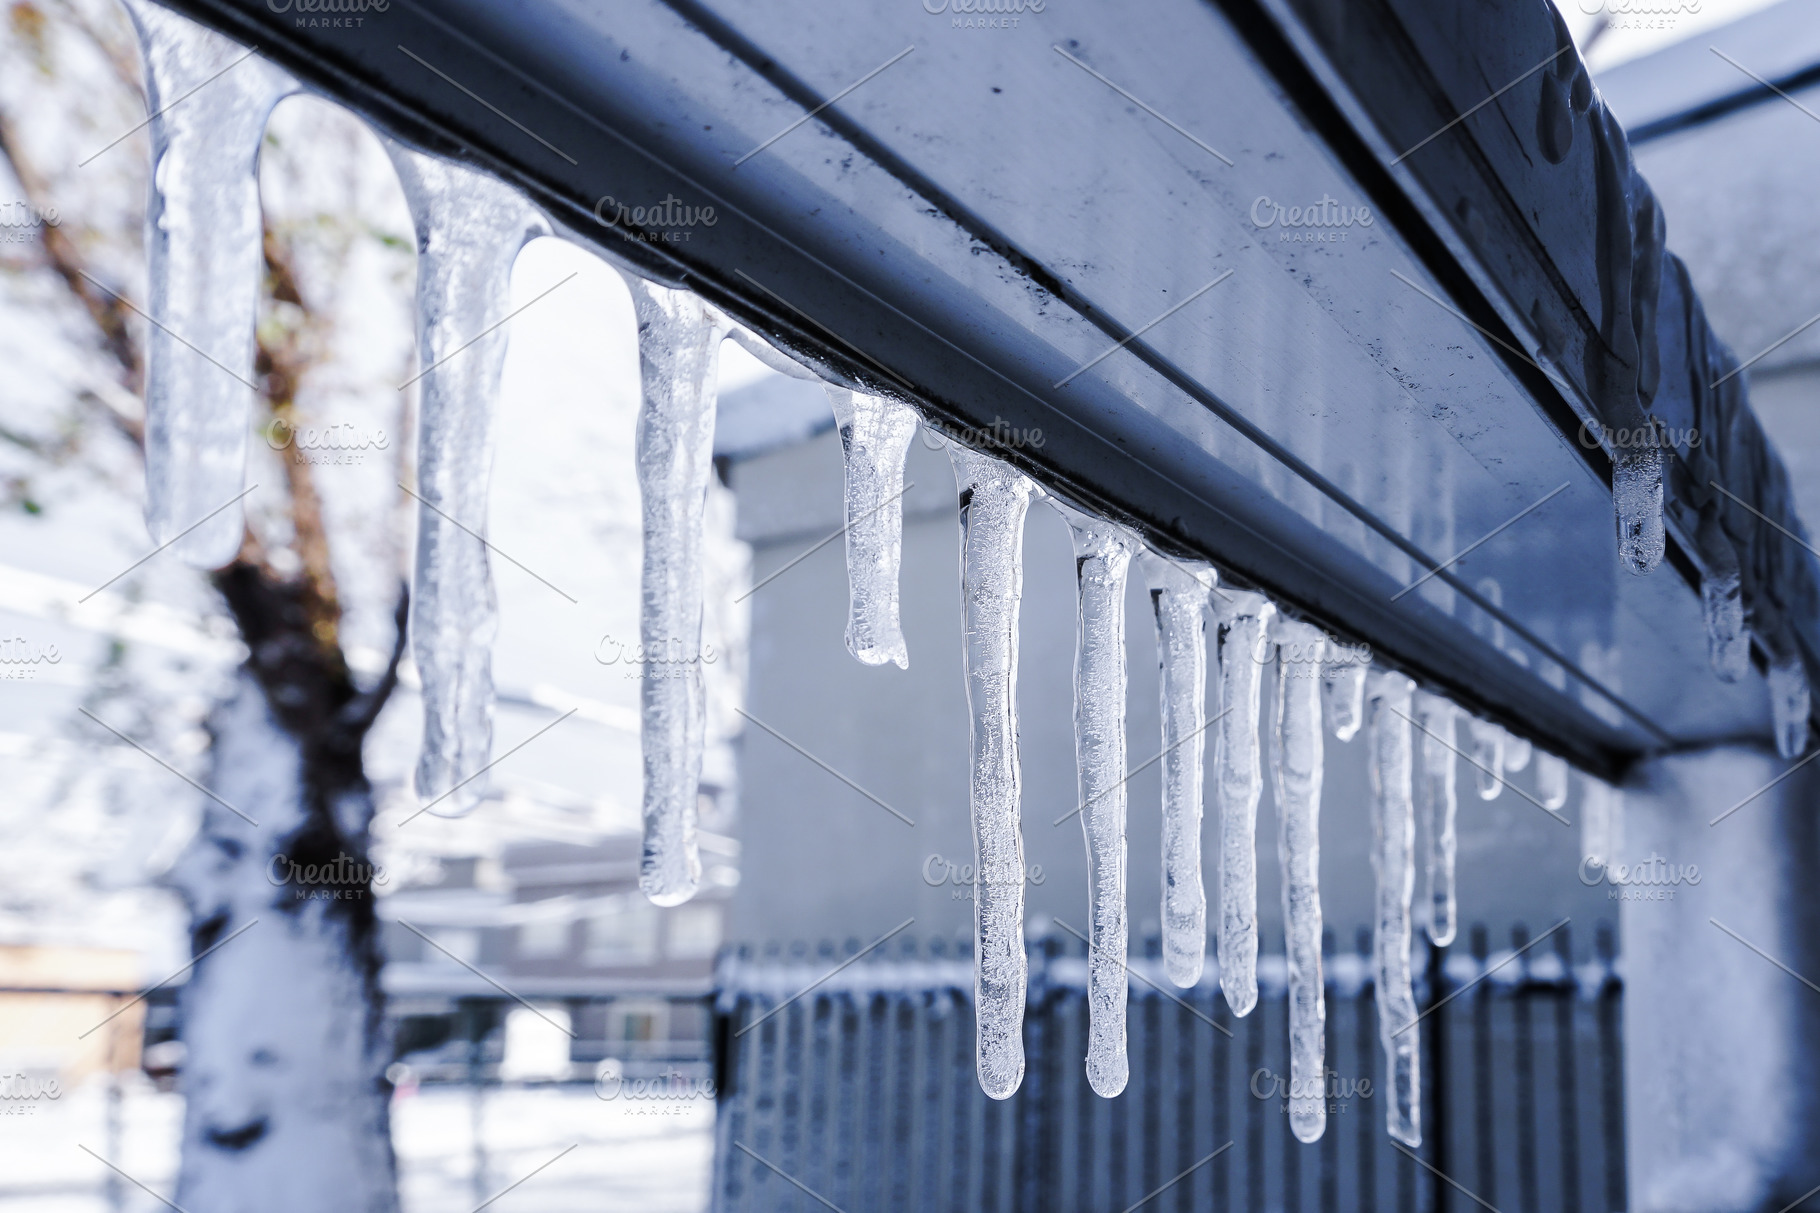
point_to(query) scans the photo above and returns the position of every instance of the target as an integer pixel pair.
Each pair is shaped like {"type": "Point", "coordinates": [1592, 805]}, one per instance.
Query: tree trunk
{"type": "Point", "coordinates": [283, 1018]}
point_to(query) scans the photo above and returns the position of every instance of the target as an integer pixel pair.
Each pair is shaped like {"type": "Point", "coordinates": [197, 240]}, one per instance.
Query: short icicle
{"type": "Point", "coordinates": [1601, 822]}
{"type": "Point", "coordinates": [204, 253]}
{"type": "Point", "coordinates": [875, 434]}
{"type": "Point", "coordinates": [1789, 705]}
{"type": "Point", "coordinates": [994, 500]}
{"type": "Point", "coordinates": [1179, 593]}
{"type": "Point", "coordinates": [679, 339]}
{"type": "Point", "coordinates": [1102, 559]}
{"type": "Point", "coordinates": [1436, 803]}
{"type": "Point", "coordinates": [1636, 487]}
{"type": "Point", "coordinates": [1343, 693]}
{"type": "Point", "coordinates": [1393, 861]}
{"type": "Point", "coordinates": [1245, 622]}
{"type": "Point", "coordinates": [1551, 781]}
{"type": "Point", "coordinates": [1487, 756]}
{"type": "Point", "coordinates": [1297, 765]}
{"type": "Point", "coordinates": [469, 230]}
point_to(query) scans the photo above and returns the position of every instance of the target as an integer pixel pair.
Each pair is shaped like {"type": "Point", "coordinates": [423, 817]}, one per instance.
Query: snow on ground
{"type": "Point", "coordinates": [596, 1155]}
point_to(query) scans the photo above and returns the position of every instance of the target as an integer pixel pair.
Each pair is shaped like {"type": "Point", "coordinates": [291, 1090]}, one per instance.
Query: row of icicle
{"type": "Point", "coordinates": [204, 242]}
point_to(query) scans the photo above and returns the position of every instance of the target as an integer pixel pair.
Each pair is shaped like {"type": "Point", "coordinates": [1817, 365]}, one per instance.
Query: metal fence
{"type": "Point", "coordinates": [861, 1094]}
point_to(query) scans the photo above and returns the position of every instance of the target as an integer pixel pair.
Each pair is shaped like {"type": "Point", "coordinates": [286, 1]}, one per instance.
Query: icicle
{"type": "Point", "coordinates": [1722, 601]}
{"type": "Point", "coordinates": [875, 434]}
{"type": "Point", "coordinates": [1179, 592]}
{"type": "Point", "coordinates": [1636, 487]}
{"type": "Point", "coordinates": [1551, 781]}
{"type": "Point", "coordinates": [203, 248]}
{"type": "Point", "coordinates": [1297, 766]}
{"type": "Point", "coordinates": [469, 230]}
{"type": "Point", "coordinates": [1789, 705]}
{"type": "Point", "coordinates": [994, 500]}
{"type": "Point", "coordinates": [679, 340]}
{"type": "Point", "coordinates": [1102, 558]}
{"type": "Point", "coordinates": [1601, 822]}
{"type": "Point", "coordinates": [1436, 803]}
{"type": "Point", "coordinates": [1343, 693]}
{"type": "Point", "coordinates": [1245, 620]}
{"type": "Point", "coordinates": [1487, 756]}
{"type": "Point", "coordinates": [1393, 860]}
{"type": "Point", "coordinates": [1517, 751]}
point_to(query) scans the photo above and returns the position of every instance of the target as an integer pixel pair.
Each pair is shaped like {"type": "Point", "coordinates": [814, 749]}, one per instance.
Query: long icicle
{"type": "Point", "coordinates": [875, 434]}
{"type": "Point", "coordinates": [679, 339]}
{"type": "Point", "coordinates": [1179, 593]}
{"type": "Point", "coordinates": [1393, 860]}
{"type": "Point", "coordinates": [994, 500]}
{"type": "Point", "coordinates": [1102, 559]}
{"type": "Point", "coordinates": [1245, 620]}
{"type": "Point", "coordinates": [203, 248]}
{"type": "Point", "coordinates": [1437, 801]}
{"type": "Point", "coordinates": [469, 230]}
{"type": "Point", "coordinates": [1343, 693]}
{"type": "Point", "coordinates": [1297, 764]}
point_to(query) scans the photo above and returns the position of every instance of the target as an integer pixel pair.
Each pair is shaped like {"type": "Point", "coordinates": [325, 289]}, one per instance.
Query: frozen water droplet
{"type": "Point", "coordinates": [469, 230]}
{"type": "Point", "coordinates": [1393, 861]}
{"type": "Point", "coordinates": [1297, 766]}
{"type": "Point", "coordinates": [1636, 486]}
{"type": "Point", "coordinates": [1517, 752]}
{"type": "Point", "coordinates": [994, 500]}
{"type": "Point", "coordinates": [203, 249]}
{"type": "Point", "coordinates": [1179, 592]}
{"type": "Point", "coordinates": [1487, 757]}
{"type": "Point", "coordinates": [1789, 705]}
{"type": "Point", "coordinates": [1437, 803]}
{"type": "Point", "coordinates": [1102, 559]}
{"type": "Point", "coordinates": [1343, 693]}
{"type": "Point", "coordinates": [679, 340]}
{"type": "Point", "coordinates": [1245, 620]}
{"type": "Point", "coordinates": [875, 434]}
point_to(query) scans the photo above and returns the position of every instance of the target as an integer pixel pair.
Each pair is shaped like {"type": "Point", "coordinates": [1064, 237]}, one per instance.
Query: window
{"type": "Point", "coordinates": [623, 937]}
{"type": "Point", "coordinates": [544, 939]}
{"type": "Point", "coordinates": [694, 931]}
